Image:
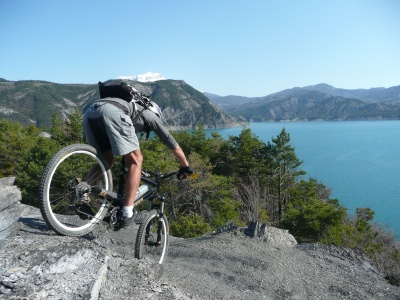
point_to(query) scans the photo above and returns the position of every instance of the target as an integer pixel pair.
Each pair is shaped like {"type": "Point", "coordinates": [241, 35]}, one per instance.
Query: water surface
{"type": "Point", "coordinates": [358, 160]}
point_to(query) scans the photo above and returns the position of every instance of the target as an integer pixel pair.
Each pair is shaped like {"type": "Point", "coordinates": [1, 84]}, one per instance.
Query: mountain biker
{"type": "Point", "coordinates": [108, 126]}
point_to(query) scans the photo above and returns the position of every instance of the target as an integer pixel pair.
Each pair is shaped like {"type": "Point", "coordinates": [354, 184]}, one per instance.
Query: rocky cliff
{"type": "Point", "coordinates": [257, 262]}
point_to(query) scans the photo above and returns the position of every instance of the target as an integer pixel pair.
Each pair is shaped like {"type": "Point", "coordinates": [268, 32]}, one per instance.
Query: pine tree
{"type": "Point", "coordinates": [73, 128]}
{"type": "Point", "coordinates": [241, 155]}
{"type": "Point", "coordinates": [57, 131]}
{"type": "Point", "coordinates": [15, 142]}
{"type": "Point", "coordinates": [284, 164]}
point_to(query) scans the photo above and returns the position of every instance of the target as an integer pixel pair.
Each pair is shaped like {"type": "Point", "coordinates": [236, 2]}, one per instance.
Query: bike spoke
{"type": "Point", "coordinates": [66, 204]}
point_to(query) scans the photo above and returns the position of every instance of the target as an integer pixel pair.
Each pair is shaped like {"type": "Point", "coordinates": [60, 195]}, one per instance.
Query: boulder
{"type": "Point", "coordinates": [10, 207]}
{"type": "Point", "coordinates": [269, 234]}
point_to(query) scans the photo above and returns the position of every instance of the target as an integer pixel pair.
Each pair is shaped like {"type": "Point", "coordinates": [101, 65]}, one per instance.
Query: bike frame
{"type": "Point", "coordinates": [153, 191]}
{"type": "Point", "coordinates": [117, 199]}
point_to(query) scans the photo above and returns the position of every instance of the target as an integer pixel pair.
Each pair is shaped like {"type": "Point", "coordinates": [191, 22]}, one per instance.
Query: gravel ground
{"type": "Point", "coordinates": [37, 264]}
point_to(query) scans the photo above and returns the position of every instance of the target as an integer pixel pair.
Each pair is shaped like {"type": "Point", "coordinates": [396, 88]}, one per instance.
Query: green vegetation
{"type": "Point", "coordinates": [238, 180]}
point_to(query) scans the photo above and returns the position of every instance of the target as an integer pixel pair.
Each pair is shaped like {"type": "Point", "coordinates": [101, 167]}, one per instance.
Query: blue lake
{"type": "Point", "coordinates": [358, 160]}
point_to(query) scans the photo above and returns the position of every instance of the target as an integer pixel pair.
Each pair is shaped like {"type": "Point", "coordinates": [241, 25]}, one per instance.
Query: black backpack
{"type": "Point", "coordinates": [116, 90]}
{"type": "Point", "coordinates": [119, 89]}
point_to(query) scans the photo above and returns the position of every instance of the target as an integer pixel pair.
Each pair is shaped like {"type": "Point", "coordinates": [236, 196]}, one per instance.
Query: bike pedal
{"type": "Point", "coordinates": [114, 219]}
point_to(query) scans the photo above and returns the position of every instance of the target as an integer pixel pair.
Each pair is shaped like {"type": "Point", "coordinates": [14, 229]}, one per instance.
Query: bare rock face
{"type": "Point", "coordinates": [256, 262]}
{"type": "Point", "coordinates": [38, 264]}
{"type": "Point", "coordinates": [10, 208]}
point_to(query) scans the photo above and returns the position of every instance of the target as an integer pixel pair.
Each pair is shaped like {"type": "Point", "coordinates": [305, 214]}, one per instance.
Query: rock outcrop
{"type": "Point", "coordinates": [257, 262]}
{"type": "Point", "coordinates": [10, 208]}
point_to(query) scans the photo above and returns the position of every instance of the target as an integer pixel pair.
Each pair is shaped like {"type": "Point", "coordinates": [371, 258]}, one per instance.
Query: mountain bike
{"type": "Point", "coordinates": [76, 193]}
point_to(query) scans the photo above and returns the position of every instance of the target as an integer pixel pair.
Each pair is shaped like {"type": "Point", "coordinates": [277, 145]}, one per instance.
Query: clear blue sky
{"type": "Point", "coordinates": [225, 47]}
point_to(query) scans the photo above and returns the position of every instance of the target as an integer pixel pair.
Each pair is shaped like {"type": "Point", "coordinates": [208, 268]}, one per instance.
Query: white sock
{"type": "Point", "coordinates": [127, 211]}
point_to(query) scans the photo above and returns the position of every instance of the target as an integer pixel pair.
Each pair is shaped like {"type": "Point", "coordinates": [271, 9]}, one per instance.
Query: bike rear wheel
{"type": "Point", "coordinates": [152, 239]}
{"type": "Point", "coordinates": [64, 191]}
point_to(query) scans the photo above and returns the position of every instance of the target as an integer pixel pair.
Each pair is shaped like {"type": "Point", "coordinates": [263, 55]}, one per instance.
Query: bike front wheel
{"type": "Point", "coordinates": [66, 203]}
{"type": "Point", "coordinates": [152, 239]}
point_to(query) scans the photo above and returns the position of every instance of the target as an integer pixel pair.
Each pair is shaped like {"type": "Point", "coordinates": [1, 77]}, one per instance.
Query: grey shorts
{"type": "Point", "coordinates": [108, 127]}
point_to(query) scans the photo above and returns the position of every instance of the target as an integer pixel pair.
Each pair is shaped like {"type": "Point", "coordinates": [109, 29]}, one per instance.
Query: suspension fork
{"type": "Point", "coordinates": [157, 242]}
{"type": "Point", "coordinates": [160, 220]}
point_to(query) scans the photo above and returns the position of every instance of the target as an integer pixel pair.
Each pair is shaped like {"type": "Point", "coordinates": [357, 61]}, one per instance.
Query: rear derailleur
{"type": "Point", "coordinates": [81, 198]}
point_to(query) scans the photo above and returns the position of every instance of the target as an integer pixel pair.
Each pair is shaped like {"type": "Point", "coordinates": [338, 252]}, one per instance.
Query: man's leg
{"type": "Point", "coordinates": [134, 161]}
{"type": "Point", "coordinates": [109, 157]}
{"type": "Point", "coordinates": [95, 173]}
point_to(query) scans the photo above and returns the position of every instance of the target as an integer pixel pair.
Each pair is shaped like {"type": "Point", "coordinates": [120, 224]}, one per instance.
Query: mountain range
{"type": "Point", "coordinates": [184, 107]}
{"type": "Point", "coordinates": [35, 102]}
{"type": "Point", "coordinates": [315, 102]}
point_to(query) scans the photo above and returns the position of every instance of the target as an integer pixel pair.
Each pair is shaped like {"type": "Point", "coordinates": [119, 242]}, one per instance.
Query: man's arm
{"type": "Point", "coordinates": [180, 156]}
{"type": "Point", "coordinates": [165, 136]}
{"type": "Point", "coordinates": [185, 169]}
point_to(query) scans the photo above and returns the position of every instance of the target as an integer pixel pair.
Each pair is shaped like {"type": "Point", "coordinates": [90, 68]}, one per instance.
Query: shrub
{"type": "Point", "coordinates": [189, 226]}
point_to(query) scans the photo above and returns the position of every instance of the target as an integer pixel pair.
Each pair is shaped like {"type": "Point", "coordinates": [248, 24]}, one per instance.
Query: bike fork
{"type": "Point", "coordinates": [160, 223]}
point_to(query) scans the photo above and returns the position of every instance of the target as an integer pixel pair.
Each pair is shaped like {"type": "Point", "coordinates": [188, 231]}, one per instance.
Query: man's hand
{"type": "Point", "coordinates": [184, 172]}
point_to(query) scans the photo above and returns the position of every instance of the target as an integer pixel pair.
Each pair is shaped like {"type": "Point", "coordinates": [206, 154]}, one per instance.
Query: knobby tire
{"type": "Point", "coordinates": [62, 208]}
{"type": "Point", "coordinates": [146, 240]}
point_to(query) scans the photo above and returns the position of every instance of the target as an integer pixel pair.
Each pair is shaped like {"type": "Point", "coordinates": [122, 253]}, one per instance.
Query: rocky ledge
{"type": "Point", "coordinates": [257, 262]}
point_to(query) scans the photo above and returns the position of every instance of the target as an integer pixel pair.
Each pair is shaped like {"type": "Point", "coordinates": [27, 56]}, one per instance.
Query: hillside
{"type": "Point", "coordinates": [317, 102]}
{"type": "Point", "coordinates": [34, 102]}
{"type": "Point", "coordinates": [387, 95]}
{"type": "Point", "coordinates": [229, 103]}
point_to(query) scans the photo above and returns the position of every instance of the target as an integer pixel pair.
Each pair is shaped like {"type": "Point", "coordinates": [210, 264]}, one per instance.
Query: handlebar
{"type": "Point", "coordinates": [147, 173]}
{"type": "Point", "coordinates": [166, 175]}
